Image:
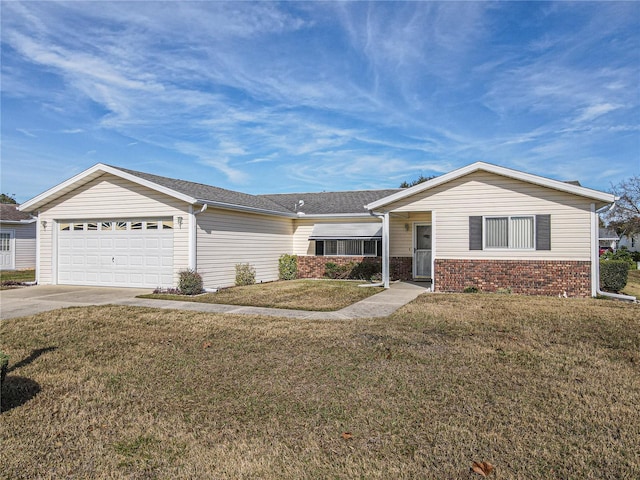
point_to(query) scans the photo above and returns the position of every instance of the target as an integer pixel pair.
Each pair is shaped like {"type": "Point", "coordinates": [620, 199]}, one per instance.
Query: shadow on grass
{"type": "Point", "coordinates": [32, 356]}
{"type": "Point", "coordinates": [17, 391]}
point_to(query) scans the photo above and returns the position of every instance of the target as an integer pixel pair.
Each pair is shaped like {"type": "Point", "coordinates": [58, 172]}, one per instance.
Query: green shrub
{"type": "Point", "coordinates": [470, 290]}
{"type": "Point", "coordinates": [365, 270]}
{"type": "Point", "coordinates": [613, 274]}
{"type": "Point", "coordinates": [190, 282]}
{"type": "Point", "coordinates": [621, 254]}
{"type": "Point", "coordinates": [245, 274]}
{"type": "Point", "coordinates": [335, 271]}
{"type": "Point", "coordinates": [288, 267]}
{"type": "Point", "coordinates": [635, 256]}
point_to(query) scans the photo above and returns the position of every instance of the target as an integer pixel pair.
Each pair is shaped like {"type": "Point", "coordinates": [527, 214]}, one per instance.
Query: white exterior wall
{"type": "Point", "coordinates": [226, 238]}
{"type": "Point", "coordinates": [110, 197]}
{"type": "Point", "coordinates": [24, 244]}
{"type": "Point", "coordinates": [483, 193]}
{"type": "Point", "coordinates": [633, 244]}
{"type": "Point", "coordinates": [302, 228]}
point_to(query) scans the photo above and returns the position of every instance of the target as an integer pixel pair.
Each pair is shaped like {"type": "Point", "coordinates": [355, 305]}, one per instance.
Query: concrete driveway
{"type": "Point", "coordinates": [18, 302]}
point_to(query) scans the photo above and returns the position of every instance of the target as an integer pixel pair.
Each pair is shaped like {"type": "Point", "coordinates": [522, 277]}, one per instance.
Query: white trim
{"type": "Point", "coordinates": [433, 251]}
{"type": "Point", "coordinates": [506, 172]}
{"type": "Point", "coordinates": [54, 252]}
{"type": "Point", "coordinates": [12, 245]}
{"type": "Point", "coordinates": [38, 225]}
{"type": "Point", "coordinates": [17, 222]}
{"type": "Point", "coordinates": [88, 175]}
{"type": "Point", "coordinates": [302, 215]}
{"type": "Point", "coordinates": [192, 239]}
{"type": "Point", "coordinates": [242, 208]}
{"type": "Point", "coordinates": [385, 249]}
{"type": "Point", "coordinates": [595, 252]}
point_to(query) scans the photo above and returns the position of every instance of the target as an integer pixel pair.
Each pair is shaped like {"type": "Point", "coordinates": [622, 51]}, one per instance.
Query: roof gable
{"type": "Point", "coordinates": [603, 198]}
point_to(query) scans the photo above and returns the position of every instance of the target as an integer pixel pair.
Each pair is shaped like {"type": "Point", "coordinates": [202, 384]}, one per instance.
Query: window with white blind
{"type": "Point", "coordinates": [517, 232]}
{"type": "Point", "coordinates": [353, 248]}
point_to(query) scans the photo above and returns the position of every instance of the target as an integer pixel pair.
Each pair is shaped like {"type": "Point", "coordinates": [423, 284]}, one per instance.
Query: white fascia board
{"type": "Point", "coordinates": [506, 172]}
{"type": "Point", "coordinates": [17, 222]}
{"type": "Point", "coordinates": [333, 215]}
{"type": "Point", "coordinates": [242, 208]}
{"type": "Point", "coordinates": [94, 172]}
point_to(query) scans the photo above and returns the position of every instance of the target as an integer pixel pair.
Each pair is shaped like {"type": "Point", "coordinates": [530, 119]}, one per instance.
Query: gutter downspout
{"type": "Point", "coordinates": [385, 247]}
{"type": "Point", "coordinates": [595, 257]}
{"type": "Point", "coordinates": [193, 252]}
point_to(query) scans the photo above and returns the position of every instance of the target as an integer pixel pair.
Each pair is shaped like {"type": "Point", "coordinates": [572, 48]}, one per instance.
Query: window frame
{"type": "Point", "coordinates": [509, 246]}
{"type": "Point", "coordinates": [337, 254]}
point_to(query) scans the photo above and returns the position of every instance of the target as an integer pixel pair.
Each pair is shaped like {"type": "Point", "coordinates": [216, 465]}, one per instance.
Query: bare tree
{"type": "Point", "coordinates": [625, 216]}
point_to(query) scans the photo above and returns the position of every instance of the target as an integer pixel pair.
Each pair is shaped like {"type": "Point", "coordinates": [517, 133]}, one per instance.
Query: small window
{"type": "Point", "coordinates": [65, 227]}
{"type": "Point", "coordinates": [78, 226]}
{"type": "Point", "coordinates": [152, 225]}
{"type": "Point", "coordinates": [136, 225]}
{"type": "Point", "coordinates": [167, 224]}
{"type": "Point", "coordinates": [92, 226]}
{"type": "Point", "coordinates": [347, 248]}
{"type": "Point", "coordinates": [121, 225]}
{"type": "Point", "coordinates": [510, 232]}
{"type": "Point", "coordinates": [5, 242]}
{"type": "Point", "coordinates": [106, 226]}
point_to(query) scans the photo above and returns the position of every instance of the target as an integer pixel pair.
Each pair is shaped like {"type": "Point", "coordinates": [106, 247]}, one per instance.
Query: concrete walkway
{"type": "Point", "coordinates": [380, 305]}
{"type": "Point", "coordinates": [41, 298]}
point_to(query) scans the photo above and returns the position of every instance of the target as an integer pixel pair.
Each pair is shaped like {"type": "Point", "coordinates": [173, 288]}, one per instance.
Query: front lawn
{"type": "Point", "coordinates": [539, 387]}
{"type": "Point", "coordinates": [633, 284]}
{"type": "Point", "coordinates": [318, 295]}
{"type": "Point", "coordinates": [17, 275]}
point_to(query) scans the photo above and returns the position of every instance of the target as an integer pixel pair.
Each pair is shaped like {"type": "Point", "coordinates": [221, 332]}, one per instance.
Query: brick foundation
{"type": "Point", "coordinates": [528, 277]}
{"type": "Point", "coordinates": [313, 267]}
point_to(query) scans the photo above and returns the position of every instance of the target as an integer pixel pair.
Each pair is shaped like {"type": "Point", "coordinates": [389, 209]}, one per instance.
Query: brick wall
{"type": "Point", "coordinates": [313, 267]}
{"type": "Point", "coordinates": [529, 277]}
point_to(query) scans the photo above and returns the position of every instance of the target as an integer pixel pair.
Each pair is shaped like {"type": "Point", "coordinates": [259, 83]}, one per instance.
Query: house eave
{"type": "Point", "coordinates": [242, 208]}
{"type": "Point", "coordinates": [17, 222]}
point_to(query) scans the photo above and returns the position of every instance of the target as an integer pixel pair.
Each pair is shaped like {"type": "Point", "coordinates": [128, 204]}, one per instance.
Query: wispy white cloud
{"type": "Point", "coordinates": [26, 132]}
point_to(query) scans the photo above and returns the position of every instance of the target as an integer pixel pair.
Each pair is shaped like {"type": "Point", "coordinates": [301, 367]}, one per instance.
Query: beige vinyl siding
{"type": "Point", "coordinates": [25, 245]}
{"type": "Point", "coordinates": [303, 227]}
{"type": "Point", "coordinates": [488, 194]}
{"type": "Point", "coordinates": [226, 238]}
{"type": "Point", "coordinates": [109, 197]}
{"type": "Point", "coordinates": [401, 244]}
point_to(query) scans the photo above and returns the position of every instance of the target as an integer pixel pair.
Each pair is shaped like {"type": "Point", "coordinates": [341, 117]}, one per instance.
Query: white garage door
{"type": "Point", "coordinates": [118, 253]}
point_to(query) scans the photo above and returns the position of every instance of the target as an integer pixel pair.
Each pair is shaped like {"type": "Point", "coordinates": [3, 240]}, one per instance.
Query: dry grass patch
{"type": "Point", "coordinates": [314, 295]}
{"type": "Point", "coordinates": [13, 278]}
{"type": "Point", "coordinates": [539, 387]}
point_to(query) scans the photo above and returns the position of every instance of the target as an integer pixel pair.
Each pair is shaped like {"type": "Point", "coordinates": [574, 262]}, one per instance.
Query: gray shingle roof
{"type": "Point", "coordinates": [330, 202]}
{"type": "Point", "coordinates": [201, 191]}
{"type": "Point", "coordinates": [320, 203]}
{"type": "Point", "coordinates": [10, 212]}
{"type": "Point", "coordinates": [607, 233]}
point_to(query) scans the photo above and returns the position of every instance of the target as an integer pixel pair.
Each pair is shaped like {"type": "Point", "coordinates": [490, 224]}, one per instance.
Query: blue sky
{"type": "Point", "coordinates": [289, 97]}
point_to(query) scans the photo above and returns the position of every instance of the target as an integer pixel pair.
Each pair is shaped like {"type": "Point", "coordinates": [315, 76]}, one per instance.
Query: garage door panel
{"type": "Point", "coordinates": [128, 257]}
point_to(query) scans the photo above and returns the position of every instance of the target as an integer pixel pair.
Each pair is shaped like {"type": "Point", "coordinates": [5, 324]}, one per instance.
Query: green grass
{"type": "Point", "coordinates": [17, 275]}
{"type": "Point", "coordinates": [314, 295]}
{"type": "Point", "coordinates": [539, 387]}
{"type": "Point", "coordinates": [633, 284]}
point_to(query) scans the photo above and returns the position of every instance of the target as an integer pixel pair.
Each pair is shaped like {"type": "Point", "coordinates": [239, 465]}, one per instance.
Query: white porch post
{"type": "Point", "coordinates": [595, 253]}
{"type": "Point", "coordinates": [385, 249]}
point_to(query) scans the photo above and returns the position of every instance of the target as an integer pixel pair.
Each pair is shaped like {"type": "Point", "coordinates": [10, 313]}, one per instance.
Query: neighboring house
{"type": "Point", "coordinates": [481, 225]}
{"type": "Point", "coordinates": [608, 238]}
{"type": "Point", "coordinates": [17, 238]}
{"type": "Point", "coordinates": [632, 242]}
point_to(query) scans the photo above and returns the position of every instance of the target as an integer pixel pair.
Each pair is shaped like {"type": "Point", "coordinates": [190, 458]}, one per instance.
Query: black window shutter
{"type": "Point", "coordinates": [319, 248]}
{"type": "Point", "coordinates": [543, 232]}
{"type": "Point", "coordinates": [475, 233]}
{"type": "Point", "coordinates": [378, 248]}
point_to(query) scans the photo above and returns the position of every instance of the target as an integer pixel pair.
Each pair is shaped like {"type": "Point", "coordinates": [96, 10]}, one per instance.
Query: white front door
{"type": "Point", "coordinates": [122, 253]}
{"type": "Point", "coordinates": [422, 251]}
{"type": "Point", "coordinates": [7, 250]}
